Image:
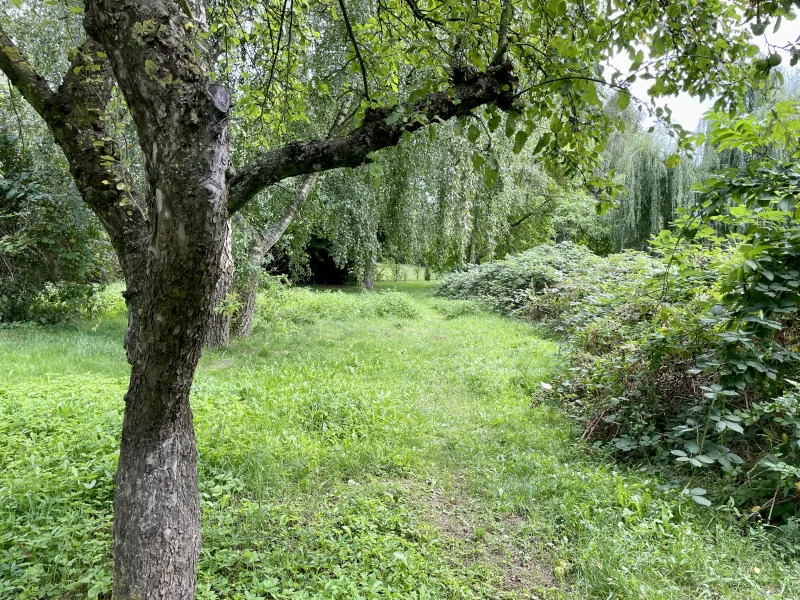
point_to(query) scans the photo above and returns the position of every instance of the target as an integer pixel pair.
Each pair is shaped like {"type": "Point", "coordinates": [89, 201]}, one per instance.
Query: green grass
{"type": "Point", "coordinates": [394, 272]}
{"type": "Point", "coordinates": [357, 446]}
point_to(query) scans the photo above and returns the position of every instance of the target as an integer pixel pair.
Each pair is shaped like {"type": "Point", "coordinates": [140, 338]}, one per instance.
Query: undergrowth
{"type": "Point", "coordinates": [660, 373]}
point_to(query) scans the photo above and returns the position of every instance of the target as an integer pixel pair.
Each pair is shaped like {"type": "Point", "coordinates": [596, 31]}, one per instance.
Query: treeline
{"type": "Point", "coordinates": [465, 194]}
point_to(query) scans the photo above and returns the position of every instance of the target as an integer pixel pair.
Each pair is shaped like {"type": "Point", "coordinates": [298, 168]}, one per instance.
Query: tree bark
{"type": "Point", "coordinates": [218, 329]}
{"type": "Point", "coordinates": [369, 279]}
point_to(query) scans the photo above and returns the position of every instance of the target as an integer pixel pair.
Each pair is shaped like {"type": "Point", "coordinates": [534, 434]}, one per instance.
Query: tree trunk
{"type": "Point", "coordinates": [156, 502]}
{"type": "Point", "coordinates": [242, 323]}
{"type": "Point", "coordinates": [183, 133]}
{"type": "Point", "coordinates": [218, 329]}
{"type": "Point", "coordinates": [263, 243]}
{"type": "Point", "coordinates": [369, 279]}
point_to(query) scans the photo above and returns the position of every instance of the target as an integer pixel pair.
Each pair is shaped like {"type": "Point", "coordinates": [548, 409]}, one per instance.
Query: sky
{"type": "Point", "coordinates": [688, 110]}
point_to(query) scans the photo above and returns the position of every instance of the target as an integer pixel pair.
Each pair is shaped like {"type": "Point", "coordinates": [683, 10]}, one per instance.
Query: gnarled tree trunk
{"type": "Point", "coordinates": [183, 133]}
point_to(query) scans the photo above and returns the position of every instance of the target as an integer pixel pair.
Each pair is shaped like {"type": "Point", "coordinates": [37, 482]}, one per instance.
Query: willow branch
{"type": "Point", "coordinates": [356, 48]}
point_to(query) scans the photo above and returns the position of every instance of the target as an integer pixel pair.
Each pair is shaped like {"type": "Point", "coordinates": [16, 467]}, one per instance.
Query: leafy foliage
{"type": "Point", "coordinates": [53, 252]}
{"type": "Point", "coordinates": [661, 375]}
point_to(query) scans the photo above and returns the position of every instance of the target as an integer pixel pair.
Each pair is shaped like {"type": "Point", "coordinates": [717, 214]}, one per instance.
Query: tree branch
{"type": "Point", "coordinates": [502, 33]}
{"type": "Point", "coordinates": [356, 48]}
{"type": "Point", "coordinates": [23, 76]}
{"type": "Point", "coordinates": [76, 116]}
{"type": "Point", "coordinates": [469, 91]}
{"type": "Point", "coordinates": [277, 229]}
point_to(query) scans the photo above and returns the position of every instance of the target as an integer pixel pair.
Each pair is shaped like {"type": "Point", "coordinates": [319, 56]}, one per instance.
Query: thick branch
{"type": "Point", "coordinates": [76, 116]}
{"type": "Point", "coordinates": [276, 230]}
{"type": "Point", "coordinates": [23, 76]}
{"type": "Point", "coordinates": [377, 131]}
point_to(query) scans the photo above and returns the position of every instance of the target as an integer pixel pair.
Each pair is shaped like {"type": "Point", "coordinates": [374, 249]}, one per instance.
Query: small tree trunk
{"type": "Point", "coordinates": [218, 330]}
{"type": "Point", "coordinates": [243, 318]}
{"type": "Point", "coordinates": [369, 278]}
{"type": "Point", "coordinates": [263, 243]}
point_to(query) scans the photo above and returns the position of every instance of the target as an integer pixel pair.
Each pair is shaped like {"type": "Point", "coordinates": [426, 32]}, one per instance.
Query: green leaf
{"type": "Point", "coordinates": [473, 133]}
{"type": "Point", "coordinates": [673, 161]}
{"type": "Point", "coordinates": [519, 141]}
{"type": "Point", "coordinates": [623, 100]}
{"type": "Point", "coordinates": [692, 447]}
{"type": "Point", "coordinates": [511, 124]}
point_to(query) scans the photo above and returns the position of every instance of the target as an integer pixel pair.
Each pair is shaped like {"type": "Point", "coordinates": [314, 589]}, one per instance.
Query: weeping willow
{"type": "Point", "coordinates": [652, 195]}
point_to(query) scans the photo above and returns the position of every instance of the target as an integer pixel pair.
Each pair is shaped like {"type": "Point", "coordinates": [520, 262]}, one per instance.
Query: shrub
{"type": "Point", "coordinates": [543, 282]}
{"type": "Point", "coordinates": [53, 252]}
{"type": "Point", "coordinates": [505, 284]}
{"type": "Point", "coordinates": [664, 368]}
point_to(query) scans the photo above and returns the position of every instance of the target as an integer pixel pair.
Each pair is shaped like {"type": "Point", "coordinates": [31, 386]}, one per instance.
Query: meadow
{"type": "Point", "coordinates": [376, 445]}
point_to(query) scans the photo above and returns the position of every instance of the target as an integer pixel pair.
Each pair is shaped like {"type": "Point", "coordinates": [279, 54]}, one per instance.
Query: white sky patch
{"type": "Point", "coordinates": [688, 110]}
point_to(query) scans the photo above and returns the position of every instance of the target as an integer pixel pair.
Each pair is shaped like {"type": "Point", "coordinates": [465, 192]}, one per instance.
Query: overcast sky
{"type": "Point", "coordinates": [687, 110]}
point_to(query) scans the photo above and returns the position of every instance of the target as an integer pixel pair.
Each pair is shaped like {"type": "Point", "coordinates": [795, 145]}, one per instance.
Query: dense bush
{"type": "Point", "coordinates": [542, 282]}
{"type": "Point", "coordinates": [53, 254]}
{"type": "Point", "coordinates": [663, 369]}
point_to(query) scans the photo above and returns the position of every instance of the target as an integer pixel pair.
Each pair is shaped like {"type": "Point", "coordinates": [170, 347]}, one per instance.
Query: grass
{"type": "Point", "coordinates": [358, 446]}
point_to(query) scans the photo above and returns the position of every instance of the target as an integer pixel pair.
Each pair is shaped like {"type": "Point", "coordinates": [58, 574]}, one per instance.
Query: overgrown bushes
{"type": "Point", "coordinates": [663, 368]}
{"type": "Point", "coordinates": [53, 254]}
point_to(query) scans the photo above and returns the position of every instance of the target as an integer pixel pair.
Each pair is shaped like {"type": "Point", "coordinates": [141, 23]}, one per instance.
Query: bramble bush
{"type": "Point", "coordinates": [682, 363]}
{"type": "Point", "coordinates": [53, 254]}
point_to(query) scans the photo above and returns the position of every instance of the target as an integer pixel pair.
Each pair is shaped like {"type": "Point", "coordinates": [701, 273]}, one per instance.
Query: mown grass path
{"type": "Point", "coordinates": [349, 456]}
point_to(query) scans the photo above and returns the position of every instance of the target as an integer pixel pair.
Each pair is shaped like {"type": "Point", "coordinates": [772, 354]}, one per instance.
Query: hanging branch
{"type": "Point", "coordinates": [356, 48]}
{"type": "Point", "coordinates": [472, 90]}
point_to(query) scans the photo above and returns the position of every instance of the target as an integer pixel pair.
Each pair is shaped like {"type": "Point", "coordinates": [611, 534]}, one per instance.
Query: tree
{"type": "Point", "coordinates": [261, 242]}
{"type": "Point", "coordinates": [419, 63]}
